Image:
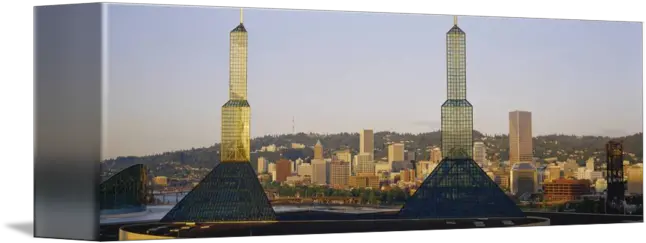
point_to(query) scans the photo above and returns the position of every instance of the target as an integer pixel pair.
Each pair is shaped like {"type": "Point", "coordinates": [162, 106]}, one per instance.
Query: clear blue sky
{"type": "Point", "coordinates": [344, 71]}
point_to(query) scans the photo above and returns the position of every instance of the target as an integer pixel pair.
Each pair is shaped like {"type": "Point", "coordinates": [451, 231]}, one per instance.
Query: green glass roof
{"type": "Point", "coordinates": [239, 28]}
{"type": "Point", "coordinates": [456, 103]}
{"type": "Point", "coordinates": [236, 103]}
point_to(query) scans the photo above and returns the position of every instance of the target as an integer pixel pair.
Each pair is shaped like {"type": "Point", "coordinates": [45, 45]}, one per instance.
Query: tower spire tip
{"type": "Point", "coordinates": [455, 20]}
{"type": "Point", "coordinates": [241, 16]}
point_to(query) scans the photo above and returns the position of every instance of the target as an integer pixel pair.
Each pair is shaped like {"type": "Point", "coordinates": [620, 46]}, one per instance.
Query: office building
{"type": "Point", "coordinates": [318, 150]}
{"type": "Point", "coordinates": [262, 165]}
{"type": "Point", "coordinates": [553, 172]}
{"type": "Point", "coordinates": [364, 181]}
{"type": "Point", "coordinates": [339, 174]}
{"type": "Point", "coordinates": [367, 142]}
{"type": "Point", "coordinates": [344, 155]}
{"type": "Point", "coordinates": [319, 172]}
{"type": "Point", "coordinates": [479, 153]}
{"type": "Point", "coordinates": [365, 164]}
{"type": "Point", "coordinates": [271, 169]}
{"type": "Point", "coordinates": [564, 190]}
{"type": "Point", "coordinates": [305, 169]}
{"type": "Point", "coordinates": [436, 155]}
{"type": "Point", "coordinates": [615, 171]}
{"type": "Point", "coordinates": [520, 137]}
{"type": "Point", "coordinates": [589, 164]}
{"type": "Point", "coordinates": [635, 184]}
{"type": "Point", "coordinates": [410, 155]}
{"type": "Point", "coordinates": [523, 178]}
{"type": "Point", "coordinates": [395, 152]}
{"type": "Point", "coordinates": [283, 170]}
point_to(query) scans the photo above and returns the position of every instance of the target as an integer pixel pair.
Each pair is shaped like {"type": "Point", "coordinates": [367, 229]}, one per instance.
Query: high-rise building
{"type": "Point", "coordinates": [363, 181]}
{"type": "Point", "coordinates": [236, 113]}
{"type": "Point", "coordinates": [365, 164]}
{"type": "Point", "coordinates": [319, 172]}
{"type": "Point", "coordinates": [367, 141]}
{"type": "Point", "coordinates": [271, 169]}
{"type": "Point", "coordinates": [232, 188]}
{"type": "Point", "coordinates": [339, 173]}
{"type": "Point", "coordinates": [262, 165]}
{"type": "Point", "coordinates": [283, 170]}
{"type": "Point", "coordinates": [520, 137]}
{"type": "Point", "coordinates": [457, 112]}
{"type": "Point", "coordinates": [635, 184]}
{"type": "Point", "coordinates": [318, 150]}
{"type": "Point", "coordinates": [523, 178]}
{"type": "Point", "coordinates": [554, 172]}
{"type": "Point", "coordinates": [410, 155]}
{"type": "Point", "coordinates": [479, 153]}
{"type": "Point", "coordinates": [436, 155]}
{"type": "Point", "coordinates": [615, 171]}
{"type": "Point", "coordinates": [305, 169]}
{"type": "Point", "coordinates": [344, 155]}
{"type": "Point", "coordinates": [589, 164]}
{"type": "Point", "coordinates": [395, 152]}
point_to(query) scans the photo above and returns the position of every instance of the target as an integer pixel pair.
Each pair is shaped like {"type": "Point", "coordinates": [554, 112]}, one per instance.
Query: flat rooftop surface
{"type": "Point", "coordinates": [337, 221]}
{"type": "Point", "coordinates": [318, 227]}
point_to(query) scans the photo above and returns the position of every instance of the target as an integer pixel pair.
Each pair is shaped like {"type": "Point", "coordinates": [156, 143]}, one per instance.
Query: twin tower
{"type": "Point", "coordinates": [457, 112]}
{"type": "Point", "coordinates": [457, 188]}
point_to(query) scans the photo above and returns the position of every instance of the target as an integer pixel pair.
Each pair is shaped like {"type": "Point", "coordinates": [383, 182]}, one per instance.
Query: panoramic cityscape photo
{"type": "Point", "coordinates": [250, 122]}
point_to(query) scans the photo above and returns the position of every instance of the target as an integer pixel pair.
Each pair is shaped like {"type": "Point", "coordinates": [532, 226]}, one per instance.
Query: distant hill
{"type": "Point", "coordinates": [498, 146]}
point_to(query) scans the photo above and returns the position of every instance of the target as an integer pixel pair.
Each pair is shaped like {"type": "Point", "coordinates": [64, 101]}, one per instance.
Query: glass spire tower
{"type": "Point", "coordinates": [457, 112]}
{"type": "Point", "coordinates": [235, 145]}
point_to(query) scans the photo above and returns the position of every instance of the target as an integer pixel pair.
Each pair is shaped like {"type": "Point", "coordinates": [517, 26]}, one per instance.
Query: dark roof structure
{"type": "Point", "coordinates": [459, 188]}
{"type": "Point", "coordinates": [230, 192]}
{"type": "Point", "coordinates": [124, 190]}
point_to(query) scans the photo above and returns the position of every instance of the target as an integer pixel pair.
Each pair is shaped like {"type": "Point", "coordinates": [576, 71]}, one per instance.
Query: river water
{"type": "Point", "coordinates": [156, 212]}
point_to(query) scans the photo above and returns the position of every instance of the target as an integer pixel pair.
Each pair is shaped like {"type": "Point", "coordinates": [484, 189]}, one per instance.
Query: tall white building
{"type": "Point", "coordinates": [479, 153]}
{"type": "Point", "coordinates": [262, 165]}
{"type": "Point", "coordinates": [272, 170]}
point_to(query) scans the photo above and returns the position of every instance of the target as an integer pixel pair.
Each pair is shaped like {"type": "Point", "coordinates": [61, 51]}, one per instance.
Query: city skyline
{"type": "Point", "coordinates": [155, 118]}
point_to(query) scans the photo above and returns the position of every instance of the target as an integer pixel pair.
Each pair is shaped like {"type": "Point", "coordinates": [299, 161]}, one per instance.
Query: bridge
{"type": "Point", "coordinates": [172, 191]}
{"type": "Point", "coordinates": [316, 200]}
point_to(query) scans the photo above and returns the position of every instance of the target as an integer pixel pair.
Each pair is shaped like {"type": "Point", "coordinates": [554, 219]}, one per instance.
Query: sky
{"type": "Point", "coordinates": [344, 71]}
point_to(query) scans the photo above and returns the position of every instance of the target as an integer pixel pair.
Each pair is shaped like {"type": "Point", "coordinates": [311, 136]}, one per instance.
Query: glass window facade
{"type": "Point", "coordinates": [126, 190]}
{"type": "Point", "coordinates": [459, 188]}
{"type": "Point", "coordinates": [238, 63]}
{"type": "Point", "coordinates": [235, 145]}
{"type": "Point", "coordinates": [457, 112]}
{"type": "Point", "coordinates": [236, 113]}
{"type": "Point", "coordinates": [456, 64]}
{"type": "Point", "coordinates": [457, 129]}
{"type": "Point", "coordinates": [231, 192]}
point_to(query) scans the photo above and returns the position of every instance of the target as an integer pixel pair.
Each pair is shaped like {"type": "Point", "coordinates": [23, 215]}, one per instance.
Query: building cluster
{"type": "Point", "coordinates": [345, 169]}
{"type": "Point", "coordinates": [522, 175]}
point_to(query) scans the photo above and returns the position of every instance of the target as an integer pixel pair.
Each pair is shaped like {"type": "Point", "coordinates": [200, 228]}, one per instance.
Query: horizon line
{"type": "Point", "coordinates": [374, 132]}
